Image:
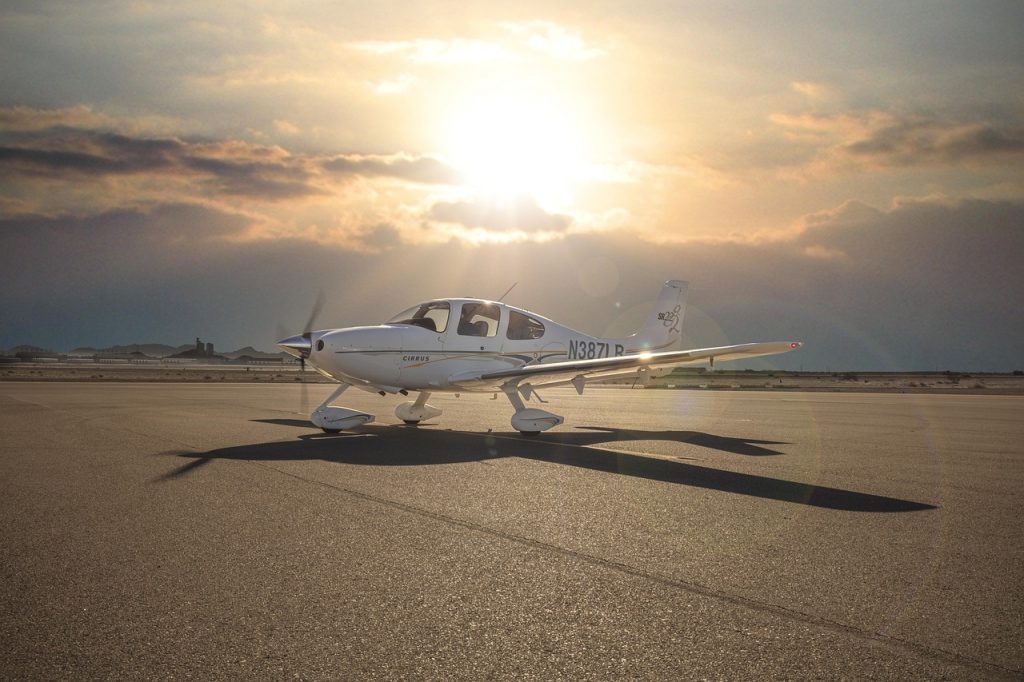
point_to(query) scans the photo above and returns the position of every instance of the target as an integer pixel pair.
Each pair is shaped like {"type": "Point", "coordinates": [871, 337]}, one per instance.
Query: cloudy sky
{"type": "Point", "coordinates": [848, 174]}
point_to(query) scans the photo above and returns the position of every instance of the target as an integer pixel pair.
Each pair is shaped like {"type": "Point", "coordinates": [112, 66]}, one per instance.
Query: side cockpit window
{"type": "Point", "coordinates": [431, 316]}
{"type": "Point", "coordinates": [523, 327]}
{"type": "Point", "coordinates": [479, 319]}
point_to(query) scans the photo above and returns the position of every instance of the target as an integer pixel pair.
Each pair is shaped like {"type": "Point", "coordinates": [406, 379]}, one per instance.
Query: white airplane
{"type": "Point", "coordinates": [468, 344]}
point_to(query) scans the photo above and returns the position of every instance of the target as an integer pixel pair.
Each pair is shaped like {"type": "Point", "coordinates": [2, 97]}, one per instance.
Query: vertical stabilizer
{"type": "Point", "coordinates": [663, 329]}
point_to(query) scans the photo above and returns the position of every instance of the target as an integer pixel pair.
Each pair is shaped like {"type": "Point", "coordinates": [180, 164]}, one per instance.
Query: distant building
{"type": "Point", "coordinates": [33, 353]}
{"type": "Point", "coordinates": [201, 351]}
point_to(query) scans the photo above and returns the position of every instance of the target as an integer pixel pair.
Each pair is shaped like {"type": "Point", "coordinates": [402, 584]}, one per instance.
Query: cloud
{"type": "Point", "coordinates": [554, 40]}
{"type": "Point", "coordinates": [933, 243]}
{"type": "Point", "coordinates": [161, 223]}
{"type": "Point", "coordinates": [519, 41]}
{"type": "Point", "coordinates": [520, 214]}
{"type": "Point", "coordinates": [325, 198]}
{"type": "Point", "coordinates": [20, 118]}
{"type": "Point", "coordinates": [924, 142]}
{"type": "Point", "coordinates": [285, 127]}
{"type": "Point", "coordinates": [924, 284]}
{"type": "Point", "coordinates": [380, 237]}
{"type": "Point", "coordinates": [171, 169]}
{"type": "Point", "coordinates": [884, 139]}
{"type": "Point", "coordinates": [394, 86]}
{"type": "Point", "coordinates": [811, 90]}
{"type": "Point", "coordinates": [189, 110]}
{"type": "Point", "coordinates": [435, 51]}
{"type": "Point", "coordinates": [104, 252]}
{"type": "Point", "coordinates": [229, 167]}
{"type": "Point", "coordinates": [69, 151]}
{"type": "Point", "coordinates": [823, 252]}
{"type": "Point", "coordinates": [421, 169]}
{"type": "Point", "coordinates": [26, 119]}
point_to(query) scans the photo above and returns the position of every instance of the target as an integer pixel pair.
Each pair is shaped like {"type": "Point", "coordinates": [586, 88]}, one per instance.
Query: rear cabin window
{"type": "Point", "coordinates": [479, 319]}
{"type": "Point", "coordinates": [523, 327]}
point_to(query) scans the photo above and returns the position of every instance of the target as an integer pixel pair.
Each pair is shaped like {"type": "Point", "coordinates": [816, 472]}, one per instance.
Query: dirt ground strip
{"type": "Point", "coordinates": [857, 382]}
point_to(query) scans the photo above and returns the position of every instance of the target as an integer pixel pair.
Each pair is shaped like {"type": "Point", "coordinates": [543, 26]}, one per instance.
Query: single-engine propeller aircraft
{"type": "Point", "coordinates": [468, 344]}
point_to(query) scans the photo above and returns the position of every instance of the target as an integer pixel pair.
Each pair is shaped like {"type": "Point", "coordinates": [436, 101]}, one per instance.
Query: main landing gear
{"type": "Point", "coordinates": [333, 419]}
{"type": "Point", "coordinates": [413, 413]}
{"type": "Point", "coordinates": [529, 420]}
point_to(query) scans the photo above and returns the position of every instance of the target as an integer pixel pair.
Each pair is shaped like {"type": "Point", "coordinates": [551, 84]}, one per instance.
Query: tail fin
{"type": "Point", "coordinates": [663, 329]}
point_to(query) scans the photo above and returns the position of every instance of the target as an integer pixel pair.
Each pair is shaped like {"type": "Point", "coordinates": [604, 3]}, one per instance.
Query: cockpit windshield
{"type": "Point", "coordinates": [432, 316]}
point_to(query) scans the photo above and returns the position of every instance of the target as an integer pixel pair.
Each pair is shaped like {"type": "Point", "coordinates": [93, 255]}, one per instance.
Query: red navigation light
{"type": "Point", "coordinates": [794, 345]}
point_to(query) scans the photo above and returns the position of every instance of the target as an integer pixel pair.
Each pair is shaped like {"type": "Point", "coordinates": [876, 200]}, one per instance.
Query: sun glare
{"type": "Point", "coordinates": [509, 146]}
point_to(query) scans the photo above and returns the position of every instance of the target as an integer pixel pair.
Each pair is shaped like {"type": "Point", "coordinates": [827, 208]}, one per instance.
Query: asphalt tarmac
{"type": "Point", "coordinates": [208, 531]}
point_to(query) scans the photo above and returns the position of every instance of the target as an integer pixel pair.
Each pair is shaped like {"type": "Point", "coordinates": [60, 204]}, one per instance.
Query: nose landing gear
{"type": "Point", "coordinates": [333, 419]}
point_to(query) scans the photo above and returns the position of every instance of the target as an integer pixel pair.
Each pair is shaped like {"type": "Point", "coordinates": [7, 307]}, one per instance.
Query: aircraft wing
{"type": "Point", "coordinates": [579, 372]}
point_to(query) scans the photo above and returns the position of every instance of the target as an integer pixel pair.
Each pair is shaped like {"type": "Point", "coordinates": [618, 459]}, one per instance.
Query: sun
{"type": "Point", "coordinates": [511, 145]}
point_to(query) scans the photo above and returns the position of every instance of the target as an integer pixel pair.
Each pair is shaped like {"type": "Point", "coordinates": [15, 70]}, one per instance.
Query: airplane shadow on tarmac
{"type": "Point", "coordinates": [376, 445]}
{"type": "Point", "coordinates": [602, 434]}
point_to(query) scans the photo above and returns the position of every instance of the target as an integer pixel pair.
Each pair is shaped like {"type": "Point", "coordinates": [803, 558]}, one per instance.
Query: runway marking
{"type": "Point", "coordinates": [676, 583]}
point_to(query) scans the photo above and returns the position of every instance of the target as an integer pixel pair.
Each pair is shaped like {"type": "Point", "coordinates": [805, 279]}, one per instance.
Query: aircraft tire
{"type": "Point", "coordinates": [330, 430]}
{"type": "Point", "coordinates": [411, 422]}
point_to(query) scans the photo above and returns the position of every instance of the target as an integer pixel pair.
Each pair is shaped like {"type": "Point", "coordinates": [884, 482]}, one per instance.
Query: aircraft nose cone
{"type": "Point", "coordinates": [299, 346]}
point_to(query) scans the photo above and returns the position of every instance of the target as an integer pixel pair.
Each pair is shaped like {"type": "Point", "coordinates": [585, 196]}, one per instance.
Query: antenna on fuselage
{"type": "Point", "coordinates": [506, 292]}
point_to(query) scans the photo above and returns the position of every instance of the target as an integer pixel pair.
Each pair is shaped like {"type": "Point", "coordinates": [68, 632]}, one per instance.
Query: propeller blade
{"type": "Point", "coordinates": [300, 346]}
{"type": "Point", "coordinates": [317, 306]}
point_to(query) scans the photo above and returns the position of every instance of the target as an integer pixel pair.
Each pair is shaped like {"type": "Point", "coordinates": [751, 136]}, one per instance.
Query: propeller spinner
{"type": "Point", "coordinates": [301, 346]}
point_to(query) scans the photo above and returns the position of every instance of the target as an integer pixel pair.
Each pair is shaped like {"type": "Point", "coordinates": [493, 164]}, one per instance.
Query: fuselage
{"type": "Point", "coordinates": [431, 345]}
{"type": "Point", "coordinates": [469, 344]}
